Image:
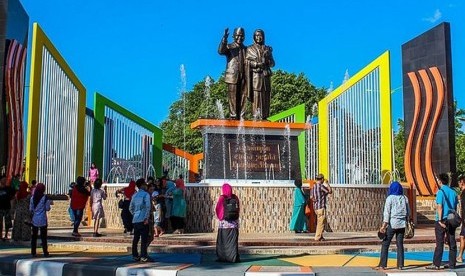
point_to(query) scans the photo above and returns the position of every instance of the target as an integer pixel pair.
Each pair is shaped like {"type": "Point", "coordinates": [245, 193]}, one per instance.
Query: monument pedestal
{"type": "Point", "coordinates": [250, 151]}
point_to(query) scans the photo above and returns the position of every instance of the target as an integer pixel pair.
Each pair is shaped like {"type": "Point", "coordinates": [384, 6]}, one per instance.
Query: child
{"type": "Point", "coordinates": [157, 215]}
{"type": "Point", "coordinates": [96, 197]}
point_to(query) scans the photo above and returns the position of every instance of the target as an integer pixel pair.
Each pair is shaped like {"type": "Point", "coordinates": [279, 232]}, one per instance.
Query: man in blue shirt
{"type": "Point", "coordinates": [140, 209]}
{"type": "Point", "coordinates": [446, 199]}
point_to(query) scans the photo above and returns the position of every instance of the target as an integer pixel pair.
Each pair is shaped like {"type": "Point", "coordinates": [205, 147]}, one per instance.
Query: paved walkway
{"type": "Point", "coordinates": [193, 254]}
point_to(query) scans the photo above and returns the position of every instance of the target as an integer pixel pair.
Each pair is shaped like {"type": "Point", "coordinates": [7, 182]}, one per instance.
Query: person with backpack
{"type": "Point", "coordinates": [227, 240]}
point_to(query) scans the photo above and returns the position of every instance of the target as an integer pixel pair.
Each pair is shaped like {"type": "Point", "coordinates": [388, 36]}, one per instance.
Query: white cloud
{"type": "Point", "coordinates": [437, 15]}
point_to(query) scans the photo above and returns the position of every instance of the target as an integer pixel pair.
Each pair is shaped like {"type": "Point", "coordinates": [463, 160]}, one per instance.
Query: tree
{"type": "Point", "coordinates": [289, 90]}
{"type": "Point", "coordinates": [208, 97]}
{"type": "Point", "coordinates": [399, 149]}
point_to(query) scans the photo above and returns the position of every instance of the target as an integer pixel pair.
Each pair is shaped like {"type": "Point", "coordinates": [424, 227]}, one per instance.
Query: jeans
{"type": "Point", "coordinates": [43, 237]}
{"type": "Point", "coordinates": [78, 214]}
{"type": "Point", "coordinates": [441, 234]}
{"type": "Point", "coordinates": [141, 231]}
{"type": "Point", "coordinates": [399, 243]}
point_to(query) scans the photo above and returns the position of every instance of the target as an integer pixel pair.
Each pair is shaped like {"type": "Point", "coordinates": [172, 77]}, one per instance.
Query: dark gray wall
{"type": "Point", "coordinates": [431, 49]}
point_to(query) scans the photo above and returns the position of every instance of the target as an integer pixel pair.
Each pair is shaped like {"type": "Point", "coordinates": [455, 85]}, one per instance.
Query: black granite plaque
{"type": "Point", "coordinates": [249, 156]}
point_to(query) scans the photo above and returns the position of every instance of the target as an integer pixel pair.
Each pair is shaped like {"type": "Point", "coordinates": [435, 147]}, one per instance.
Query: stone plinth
{"type": "Point", "coordinates": [250, 150]}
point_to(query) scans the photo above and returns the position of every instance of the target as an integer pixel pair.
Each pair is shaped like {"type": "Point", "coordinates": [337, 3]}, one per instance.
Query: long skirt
{"type": "Point", "coordinates": [227, 245]}
{"type": "Point", "coordinates": [126, 216]}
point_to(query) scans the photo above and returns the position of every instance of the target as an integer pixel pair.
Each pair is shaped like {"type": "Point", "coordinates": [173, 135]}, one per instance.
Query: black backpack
{"type": "Point", "coordinates": [231, 208]}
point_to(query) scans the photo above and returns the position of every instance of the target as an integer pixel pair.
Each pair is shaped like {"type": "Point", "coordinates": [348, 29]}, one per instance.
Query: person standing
{"type": "Point", "coordinates": [178, 210]}
{"type": "Point", "coordinates": [39, 206]}
{"type": "Point", "coordinates": [79, 196]}
{"type": "Point", "coordinates": [140, 207]}
{"type": "Point", "coordinates": [7, 193]}
{"type": "Point", "coordinates": [461, 182]}
{"type": "Point", "coordinates": [126, 216]}
{"type": "Point", "coordinates": [319, 194]}
{"type": "Point", "coordinates": [96, 198]}
{"type": "Point", "coordinates": [93, 173]}
{"type": "Point", "coordinates": [235, 72]}
{"type": "Point", "coordinates": [298, 219]}
{"type": "Point", "coordinates": [227, 241]}
{"type": "Point", "coordinates": [258, 67]}
{"type": "Point", "coordinates": [446, 201]}
{"type": "Point", "coordinates": [22, 231]}
{"type": "Point", "coordinates": [396, 212]}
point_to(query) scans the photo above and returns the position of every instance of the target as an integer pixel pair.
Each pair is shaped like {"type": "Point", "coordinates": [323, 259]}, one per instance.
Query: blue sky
{"type": "Point", "coordinates": [131, 51]}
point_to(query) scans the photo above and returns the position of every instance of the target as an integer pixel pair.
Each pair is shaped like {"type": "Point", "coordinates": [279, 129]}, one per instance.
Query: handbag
{"type": "Point", "coordinates": [308, 211]}
{"type": "Point", "coordinates": [453, 218]}
{"type": "Point", "coordinates": [409, 226]}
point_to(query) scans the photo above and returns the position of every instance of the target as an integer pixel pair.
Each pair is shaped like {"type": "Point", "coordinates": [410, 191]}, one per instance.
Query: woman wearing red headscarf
{"type": "Point", "coordinates": [39, 205]}
{"type": "Point", "coordinates": [22, 231]}
{"type": "Point", "coordinates": [227, 240]}
{"type": "Point", "coordinates": [126, 216]}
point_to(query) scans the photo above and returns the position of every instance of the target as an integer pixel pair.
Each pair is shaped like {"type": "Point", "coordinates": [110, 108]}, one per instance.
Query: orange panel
{"type": "Point", "coordinates": [409, 146]}
{"type": "Point", "coordinates": [437, 114]}
{"type": "Point", "coordinates": [418, 150]}
{"type": "Point", "coordinates": [249, 124]}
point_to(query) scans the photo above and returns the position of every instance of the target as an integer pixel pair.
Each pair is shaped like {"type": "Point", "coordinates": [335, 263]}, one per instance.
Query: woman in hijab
{"type": "Point", "coordinates": [298, 219]}
{"type": "Point", "coordinates": [178, 211]}
{"type": "Point", "coordinates": [126, 216]}
{"type": "Point", "coordinates": [396, 212]}
{"type": "Point", "coordinates": [227, 240]}
{"type": "Point", "coordinates": [22, 231]}
{"type": "Point", "coordinates": [168, 196]}
{"type": "Point", "coordinates": [39, 205]}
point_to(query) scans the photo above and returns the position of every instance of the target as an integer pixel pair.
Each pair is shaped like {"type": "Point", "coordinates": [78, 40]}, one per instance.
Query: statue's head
{"type": "Point", "coordinates": [259, 37]}
{"type": "Point", "coordinates": [239, 35]}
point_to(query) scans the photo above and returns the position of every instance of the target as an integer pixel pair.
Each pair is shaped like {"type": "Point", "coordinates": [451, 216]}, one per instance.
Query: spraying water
{"type": "Point", "coordinates": [208, 83]}
{"type": "Point", "coordinates": [219, 107]}
{"type": "Point", "coordinates": [183, 94]}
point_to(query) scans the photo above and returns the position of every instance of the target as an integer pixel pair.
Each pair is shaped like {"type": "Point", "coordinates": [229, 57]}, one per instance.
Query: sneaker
{"type": "Point", "coordinates": [433, 267]}
{"type": "Point", "coordinates": [46, 254]}
{"type": "Point", "coordinates": [97, 235]}
{"type": "Point", "coordinates": [76, 234]}
{"type": "Point", "coordinates": [146, 259]}
{"type": "Point", "coordinates": [136, 259]}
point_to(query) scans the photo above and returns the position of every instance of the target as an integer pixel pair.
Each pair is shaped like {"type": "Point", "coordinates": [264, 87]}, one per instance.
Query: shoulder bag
{"type": "Point", "coordinates": [409, 226]}
{"type": "Point", "coordinates": [453, 218]}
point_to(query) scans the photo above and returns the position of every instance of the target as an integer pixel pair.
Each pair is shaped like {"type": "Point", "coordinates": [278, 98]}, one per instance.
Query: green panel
{"type": "Point", "coordinates": [100, 102]}
{"type": "Point", "coordinates": [299, 115]}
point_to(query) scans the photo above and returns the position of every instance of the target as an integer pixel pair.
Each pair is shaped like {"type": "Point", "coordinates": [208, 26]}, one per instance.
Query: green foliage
{"type": "Point", "coordinates": [288, 90]}
{"type": "Point", "coordinates": [399, 149]}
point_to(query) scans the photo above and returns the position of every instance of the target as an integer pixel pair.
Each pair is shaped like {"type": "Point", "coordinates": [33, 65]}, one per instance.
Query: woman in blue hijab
{"type": "Point", "coordinates": [396, 212]}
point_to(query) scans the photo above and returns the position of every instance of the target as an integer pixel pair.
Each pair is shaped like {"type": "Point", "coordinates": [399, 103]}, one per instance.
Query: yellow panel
{"type": "Point", "coordinates": [39, 42]}
{"type": "Point", "coordinates": [319, 260]}
{"type": "Point", "coordinates": [382, 62]}
{"type": "Point", "coordinates": [374, 261]}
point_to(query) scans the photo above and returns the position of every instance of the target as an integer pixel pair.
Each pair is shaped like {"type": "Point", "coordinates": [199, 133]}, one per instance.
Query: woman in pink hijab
{"type": "Point", "coordinates": [227, 240]}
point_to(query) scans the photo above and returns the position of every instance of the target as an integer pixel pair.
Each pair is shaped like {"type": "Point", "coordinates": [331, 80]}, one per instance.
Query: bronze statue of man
{"type": "Point", "coordinates": [258, 66]}
{"type": "Point", "coordinates": [235, 72]}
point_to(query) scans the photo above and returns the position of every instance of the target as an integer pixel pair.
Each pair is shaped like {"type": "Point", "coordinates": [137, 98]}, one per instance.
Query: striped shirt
{"type": "Point", "coordinates": [319, 194]}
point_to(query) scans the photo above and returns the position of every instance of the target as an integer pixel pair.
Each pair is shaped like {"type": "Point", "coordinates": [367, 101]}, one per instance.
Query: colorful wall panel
{"type": "Point", "coordinates": [428, 108]}
{"type": "Point", "coordinates": [56, 118]}
{"type": "Point", "coordinates": [13, 39]}
{"type": "Point", "coordinates": [355, 129]}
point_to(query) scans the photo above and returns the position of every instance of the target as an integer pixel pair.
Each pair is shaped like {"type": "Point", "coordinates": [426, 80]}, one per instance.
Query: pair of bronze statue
{"type": "Point", "coordinates": [248, 74]}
